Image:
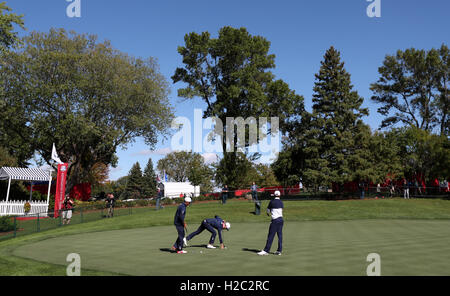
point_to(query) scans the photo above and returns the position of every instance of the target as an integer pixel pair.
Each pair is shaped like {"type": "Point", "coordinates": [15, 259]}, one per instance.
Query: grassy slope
{"type": "Point", "coordinates": [235, 211]}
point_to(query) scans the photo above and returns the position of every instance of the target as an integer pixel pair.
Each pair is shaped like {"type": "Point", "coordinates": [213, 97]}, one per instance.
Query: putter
{"type": "Point", "coordinates": [186, 231]}
{"type": "Point", "coordinates": [223, 236]}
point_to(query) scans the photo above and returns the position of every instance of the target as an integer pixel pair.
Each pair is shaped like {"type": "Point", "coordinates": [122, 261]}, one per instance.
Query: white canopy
{"type": "Point", "coordinates": [24, 174]}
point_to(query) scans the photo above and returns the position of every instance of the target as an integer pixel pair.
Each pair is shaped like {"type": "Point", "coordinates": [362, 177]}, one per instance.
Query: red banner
{"type": "Point", "coordinates": [60, 187]}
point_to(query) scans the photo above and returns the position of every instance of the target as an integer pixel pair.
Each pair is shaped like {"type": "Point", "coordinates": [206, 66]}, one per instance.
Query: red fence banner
{"type": "Point", "coordinates": [60, 187]}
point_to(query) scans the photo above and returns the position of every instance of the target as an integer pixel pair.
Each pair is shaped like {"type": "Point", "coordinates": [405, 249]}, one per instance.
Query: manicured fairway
{"type": "Point", "coordinates": [406, 247]}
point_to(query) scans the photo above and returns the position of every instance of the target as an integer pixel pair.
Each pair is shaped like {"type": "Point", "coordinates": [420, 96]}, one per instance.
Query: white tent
{"type": "Point", "coordinates": [25, 174]}
{"type": "Point", "coordinates": [174, 189]}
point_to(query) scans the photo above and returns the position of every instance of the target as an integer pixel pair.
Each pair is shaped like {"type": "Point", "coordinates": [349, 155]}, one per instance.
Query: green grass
{"type": "Point", "coordinates": [321, 237]}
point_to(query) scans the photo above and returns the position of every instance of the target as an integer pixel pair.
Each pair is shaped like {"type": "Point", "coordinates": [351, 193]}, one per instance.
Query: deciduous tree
{"type": "Point", "coordinates": [83, 95]}
{"type": "Point", "coordinates": [232, 75]}
{"type": "Point", "coordinates": [413, 89]}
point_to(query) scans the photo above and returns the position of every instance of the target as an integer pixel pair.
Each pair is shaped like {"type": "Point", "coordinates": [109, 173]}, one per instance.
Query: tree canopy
{"type": "Point", "coordinates": [9, 39]}
{"type": "Point", "coordinates": [413, 89]}
{"type": "Point", "coordinates": [231, 74]}
{"type": "Point", "coordinates": [187, 166]}
{"type": "Point", "coordinates": [83, 95]}
{"type": "Point", "coordinates": [8, 35]}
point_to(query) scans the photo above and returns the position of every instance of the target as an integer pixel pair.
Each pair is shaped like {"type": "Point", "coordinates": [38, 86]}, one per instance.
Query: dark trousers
{"type": "Point", "coordinates": [179, 242]}
{"type": "Point", "coordinates": [255, 195]}
{"type": "Point", "coordinates": [276, 227]}
{"type": "Point", "coordinates": [202, 227]}
{"type": "Point", "coordinates": [224, 198]}
{"type": "Point", "coordinates": [158, 203]}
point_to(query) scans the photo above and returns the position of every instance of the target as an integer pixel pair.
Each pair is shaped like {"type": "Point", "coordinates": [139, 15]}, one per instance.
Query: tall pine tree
{"type": "Point", "coordinates": [149, 180]}
{"type": "Point", "coordinates": [135, 182]}
{"type": "Point", "coordinates": [337, 141]}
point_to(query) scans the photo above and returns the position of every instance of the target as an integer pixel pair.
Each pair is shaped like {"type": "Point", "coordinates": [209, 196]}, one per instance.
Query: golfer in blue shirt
{"type": "Point", "coordinates": [211, 225]}
{"type": "Point", "coordinates": [275, 210]}
{"type": "Point", "coordinates": [180, 225]}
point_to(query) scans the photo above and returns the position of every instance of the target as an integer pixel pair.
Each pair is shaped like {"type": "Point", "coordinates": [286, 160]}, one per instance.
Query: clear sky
{"type": "Point", "coordinates": [300, 31]}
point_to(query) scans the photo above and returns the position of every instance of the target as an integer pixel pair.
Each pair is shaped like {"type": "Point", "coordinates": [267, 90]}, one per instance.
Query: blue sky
{"type": "Point", "coordinates": [300, 31]}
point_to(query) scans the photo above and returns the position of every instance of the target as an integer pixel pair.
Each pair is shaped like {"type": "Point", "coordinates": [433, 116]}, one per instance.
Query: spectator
{"type": "Point", "coordinates": [392, 189]}
{"type": "Point", "coordinates": [110, 203]}
{"type": "Point", "coordinates": [418, 190]}
{"type": "Point", "coordinates": [67, 210]}
{"type": "Point", "coordinates": [362, 188]}
{"type": "Point", "coordinates": [443, 186]}
{"type": "Point", "coordinates": [405, 189]}
{"type": "Point", "coordinates": [378, 190]}
{"type": "Point", "coordinates": [158, 198]}
{"type": "Point", "coordinates": [254, 191]}
{"type": "Point", "coordinates": [224, 194]}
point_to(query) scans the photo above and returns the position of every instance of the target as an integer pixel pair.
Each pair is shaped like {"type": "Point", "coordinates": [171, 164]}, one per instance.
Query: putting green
{"type": "Point", "coordinates": [406, 247]}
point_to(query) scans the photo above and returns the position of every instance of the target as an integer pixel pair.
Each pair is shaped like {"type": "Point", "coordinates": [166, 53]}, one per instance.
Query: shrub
{"type": "Point", "coordinates": [39, 196]}
{"type": "Point", "coordinates": [142, 203]}
{"type": "Point", "coordinates": [6, 224]}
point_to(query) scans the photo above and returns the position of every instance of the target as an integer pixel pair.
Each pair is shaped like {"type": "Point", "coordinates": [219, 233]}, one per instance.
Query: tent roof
{"type": "Point", "coordinates": [24, 174]}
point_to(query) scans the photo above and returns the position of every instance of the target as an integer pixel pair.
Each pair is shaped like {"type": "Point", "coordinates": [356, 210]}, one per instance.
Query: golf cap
{"type": "Point", "coordinates": [188, 199]}
{"type": "Point", "coordinates": [277, 193]}
{"type": "Point", "coordinates": [227, 225]}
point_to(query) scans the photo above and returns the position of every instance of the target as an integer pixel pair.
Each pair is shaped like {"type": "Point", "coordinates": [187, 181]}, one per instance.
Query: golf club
{"type": "Point", "coordinates": [185, 233]}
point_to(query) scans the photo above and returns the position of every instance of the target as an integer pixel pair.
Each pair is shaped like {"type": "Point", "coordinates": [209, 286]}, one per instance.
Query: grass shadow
{"type": "Point", "coordinates": [196, 246]}
{"type": "Point", "coordinates": [251, 250]}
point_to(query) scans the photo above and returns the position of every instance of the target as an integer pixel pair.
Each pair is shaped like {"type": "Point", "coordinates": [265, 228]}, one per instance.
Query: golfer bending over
{"type": "Point", "coordinates": [275, 209]}
{"type": "Point", "coordinates": [211, 225]}
{"type": "Point", "coordinates": [180, 225]}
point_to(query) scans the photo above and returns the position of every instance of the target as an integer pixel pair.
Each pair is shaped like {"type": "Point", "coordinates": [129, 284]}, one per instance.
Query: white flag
{"type": "Point", "coordinates": [55, 155]}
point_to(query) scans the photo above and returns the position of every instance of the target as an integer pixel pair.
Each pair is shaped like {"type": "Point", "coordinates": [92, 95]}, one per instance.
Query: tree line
{"type": "Point", "coordinates": [91, 99]}
{"type": "Point", "coordinates": [332, 144]}
{"type": "Point", "coordinates": [183, 166]}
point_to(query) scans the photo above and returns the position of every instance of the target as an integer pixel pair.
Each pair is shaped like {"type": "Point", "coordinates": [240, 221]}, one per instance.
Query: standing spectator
{"type": "Point", "coordinates": [392, 189]}
{"type": "Point", "coordinates": [378, 190]}
{"type": "Point", "coordinates": [405, 189]}
{"type": "Point", "coordinates": [224, 194]}
{"type": "Point", "coordinates": [254, 190]}
{"type": "Point", "coordinates": [443, 186]}
{"type": "Point", "coordinates": [67, 210]}
{"type": "Point", "coordinates": [275, 210]}
{"type": "Point", "coordinates": [418, 190]}
{"type": "Point", "coordinates": [158, 198]}
{"type": "Point", "coordinates": [180, 225]}
{"type": "Point", "coordinates": [362, 188]}
{"type": "Point", "coordinates": [110, 203]}
{"type": "Point", "coordinates": [410, 187]}
{"type": "Point", "coordinates": [160, 195]}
